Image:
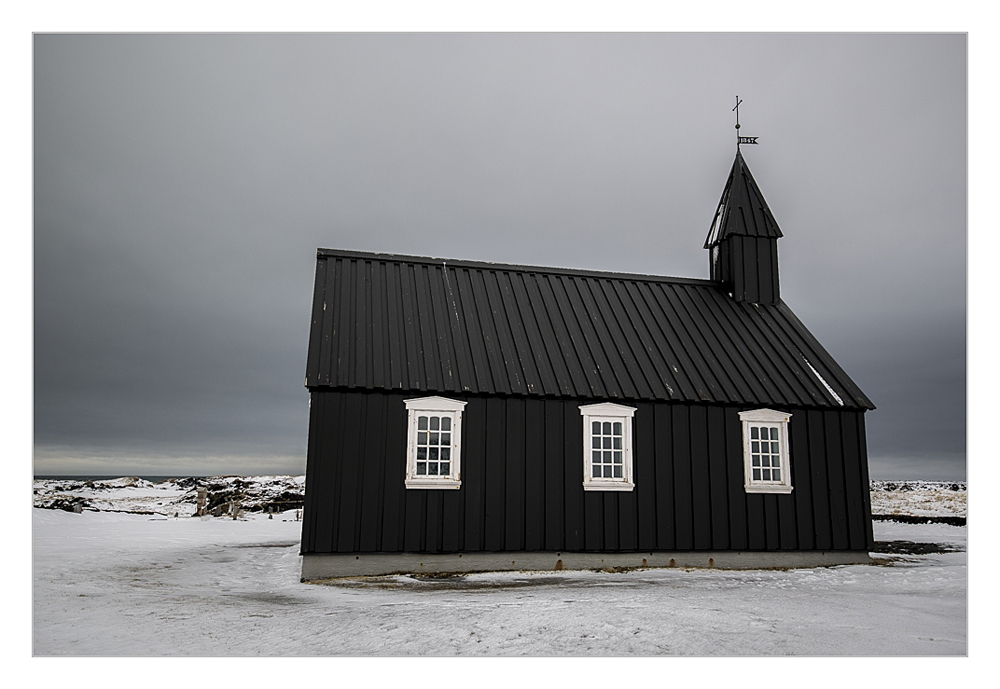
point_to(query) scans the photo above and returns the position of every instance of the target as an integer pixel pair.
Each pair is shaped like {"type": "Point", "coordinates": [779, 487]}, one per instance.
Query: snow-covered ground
{"type": "Point", "coordinates": [112, 583]}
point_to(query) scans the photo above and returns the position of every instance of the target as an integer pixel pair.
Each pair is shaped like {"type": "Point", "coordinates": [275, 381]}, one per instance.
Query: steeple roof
{"type": "Point", "coordinates": [742, 209]}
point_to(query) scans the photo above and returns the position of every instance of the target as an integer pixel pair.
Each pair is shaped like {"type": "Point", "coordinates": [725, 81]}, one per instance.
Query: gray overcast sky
{"type": "Point", "coordinates": [183, 183]}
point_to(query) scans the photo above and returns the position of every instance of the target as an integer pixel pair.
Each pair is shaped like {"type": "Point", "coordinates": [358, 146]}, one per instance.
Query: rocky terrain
{"type": "Point", "coordinates": [176, 496]}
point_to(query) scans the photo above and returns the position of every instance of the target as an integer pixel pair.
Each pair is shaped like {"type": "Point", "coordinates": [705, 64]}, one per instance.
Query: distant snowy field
{"type": "Point", "coordinates": [139, 581]}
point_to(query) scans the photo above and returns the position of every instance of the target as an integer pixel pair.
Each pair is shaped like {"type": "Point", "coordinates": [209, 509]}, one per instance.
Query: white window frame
{"type": "Point", "coordinates": [607, 411]}
{"type": "Point", "coordinates": [440, 407]}
{"type": "Point", "coordinates": [767, 418]}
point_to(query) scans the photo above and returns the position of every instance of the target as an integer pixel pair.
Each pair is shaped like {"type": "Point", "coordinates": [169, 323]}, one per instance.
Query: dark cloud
{"type": "Point", "coordinates": [183, 183]}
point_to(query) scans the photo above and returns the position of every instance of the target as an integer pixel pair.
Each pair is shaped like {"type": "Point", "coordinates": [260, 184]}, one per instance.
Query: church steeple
{"type": "Point", "coordinates": [743, 240]}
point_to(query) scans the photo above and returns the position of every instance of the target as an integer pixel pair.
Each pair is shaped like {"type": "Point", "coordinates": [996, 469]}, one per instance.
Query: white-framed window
{"type": "Point", "coordinates": [607, 446]}
{"type": "Point", "coordinates": [766, 462]}
{"type": "Point", "coordinates": [434, 443]}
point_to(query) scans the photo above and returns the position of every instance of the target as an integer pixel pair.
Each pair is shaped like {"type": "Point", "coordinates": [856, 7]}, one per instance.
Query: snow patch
{"type": "Point", "coordinates": [823, 381]}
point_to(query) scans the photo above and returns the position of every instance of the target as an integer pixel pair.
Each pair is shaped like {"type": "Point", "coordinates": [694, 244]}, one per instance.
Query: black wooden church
{"type": "Point", "coordinates": [475, 416]}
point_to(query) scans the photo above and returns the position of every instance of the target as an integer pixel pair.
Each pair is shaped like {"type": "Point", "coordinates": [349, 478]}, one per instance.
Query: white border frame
{"type": "Point", "coordinates": [607, 411]}
{"type": "Point", "coordinates": [438, 406]}
{"type": "Point", "coordinates": [779, 419]}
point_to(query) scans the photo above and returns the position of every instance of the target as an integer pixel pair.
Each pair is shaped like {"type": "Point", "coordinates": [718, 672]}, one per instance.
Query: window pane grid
{"type": "Point", "coordinates": [434, 445]}
{"type": "Point", "coordinates": [765, 454]}
{"type": "Point", "coordinates": [607, 450]}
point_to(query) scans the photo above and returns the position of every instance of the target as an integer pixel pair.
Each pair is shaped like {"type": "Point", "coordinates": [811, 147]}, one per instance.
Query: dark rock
{"type": "Point", "coordinates": [911, 519]}
{"type": "Point", "coordinates": [911, 548]}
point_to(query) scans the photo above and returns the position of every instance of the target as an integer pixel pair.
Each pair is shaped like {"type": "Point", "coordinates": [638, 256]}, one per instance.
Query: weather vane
{"type": "Point", "coordinates": [741, 139]}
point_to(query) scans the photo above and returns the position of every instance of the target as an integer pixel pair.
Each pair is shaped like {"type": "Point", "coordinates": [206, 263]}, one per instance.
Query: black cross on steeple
{"type": "Point", "coordinates": [741, 139]}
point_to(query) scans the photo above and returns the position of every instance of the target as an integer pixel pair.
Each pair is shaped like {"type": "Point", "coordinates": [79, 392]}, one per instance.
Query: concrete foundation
{"type": "Point", "coordinates": [315, 567]}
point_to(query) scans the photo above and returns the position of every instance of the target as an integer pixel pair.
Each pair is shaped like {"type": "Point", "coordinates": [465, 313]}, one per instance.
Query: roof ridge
{"type": "Point", "coordinates": [510, 267]}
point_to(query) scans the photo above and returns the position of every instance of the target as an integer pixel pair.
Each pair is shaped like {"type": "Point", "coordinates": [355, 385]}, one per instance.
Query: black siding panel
{"type": "Point", "coordinates": [555, 483]}
{"type": "Point", "coordinates": [371, 474]}
{"type": "Point", "coordinates": [573, 463]}
{"type": "Point", "coordinates": [835, 476]}
{"type": "Point", "coordinates": [628, 536]}
{"type": "Point", "coordinates": [765, 269]}
{"type": "Point", "coordinates": [353, 435]}
{"type": "Point", "coordinates": [738, 532]}
{"type": "Point", "coordinates": [432, 542]}
{"type": "Point", "coordinates": [772, 536]}
{"type": "Point", "coordinates": [522, 471]}
{"type": "Point", "coordinates": [415, 502]}
{"type": "Point", "coordinates": [718, 478]}
{"type": "Point", "coordinates": [610, 512]}
{"type": "Point", "coordinates": [644, 467]}
{"type": "Point", "coordinates": [496, 473]}
{"type": "Point", "coordinates": [514, 509]}
{"type": "Point", "coordinates": [820, 483]}
{"type": "Point", "coordinates": [452, 524]}
{"type": "Point", "coordinates": [683, 510]}
{"type": "Point", "coordinates": [329, 474]}
{"type": "Point", "coordinates": [534, 475]}
{"type": "Point", "coordinates": [737, 262]}
{"type": "Point", "coordinates": [700, 485]}
{"type": "Point", "coordinates": [750, 288]}
{"type": "Point", "coordinates": [787, 520]}
{"type": "Point", "coordinates": [593, 520]}
{"type": "Point", "coordinates": [394, 475]}
{"type": "Point", "coordinates": [666, 528]}
{"type": "Point", "coordinates": [314, 473]}
{"type": "Point", "coordinates": [772, 247]}
{"type": "Point", "coordinates": [756, 534]}
{"type": "Point", "coordinates": [802, 489]}
{"type": "Point", "coordinates": [852, 484]}
{"type": "Point", "coordinates": [865, 485]}
{"type": "Point", "coordinates": [474, 472]}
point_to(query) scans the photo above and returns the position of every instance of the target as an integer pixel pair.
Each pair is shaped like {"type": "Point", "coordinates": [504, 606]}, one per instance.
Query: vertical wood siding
{"type": "Point", "coordinates": [522, 473]}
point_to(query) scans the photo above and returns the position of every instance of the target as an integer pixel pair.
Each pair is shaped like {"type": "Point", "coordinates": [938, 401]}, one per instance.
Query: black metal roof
{"type": "Point", "coordinates": [432, 325]}
{"type": "Point", "coordinates": [742, 208]}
